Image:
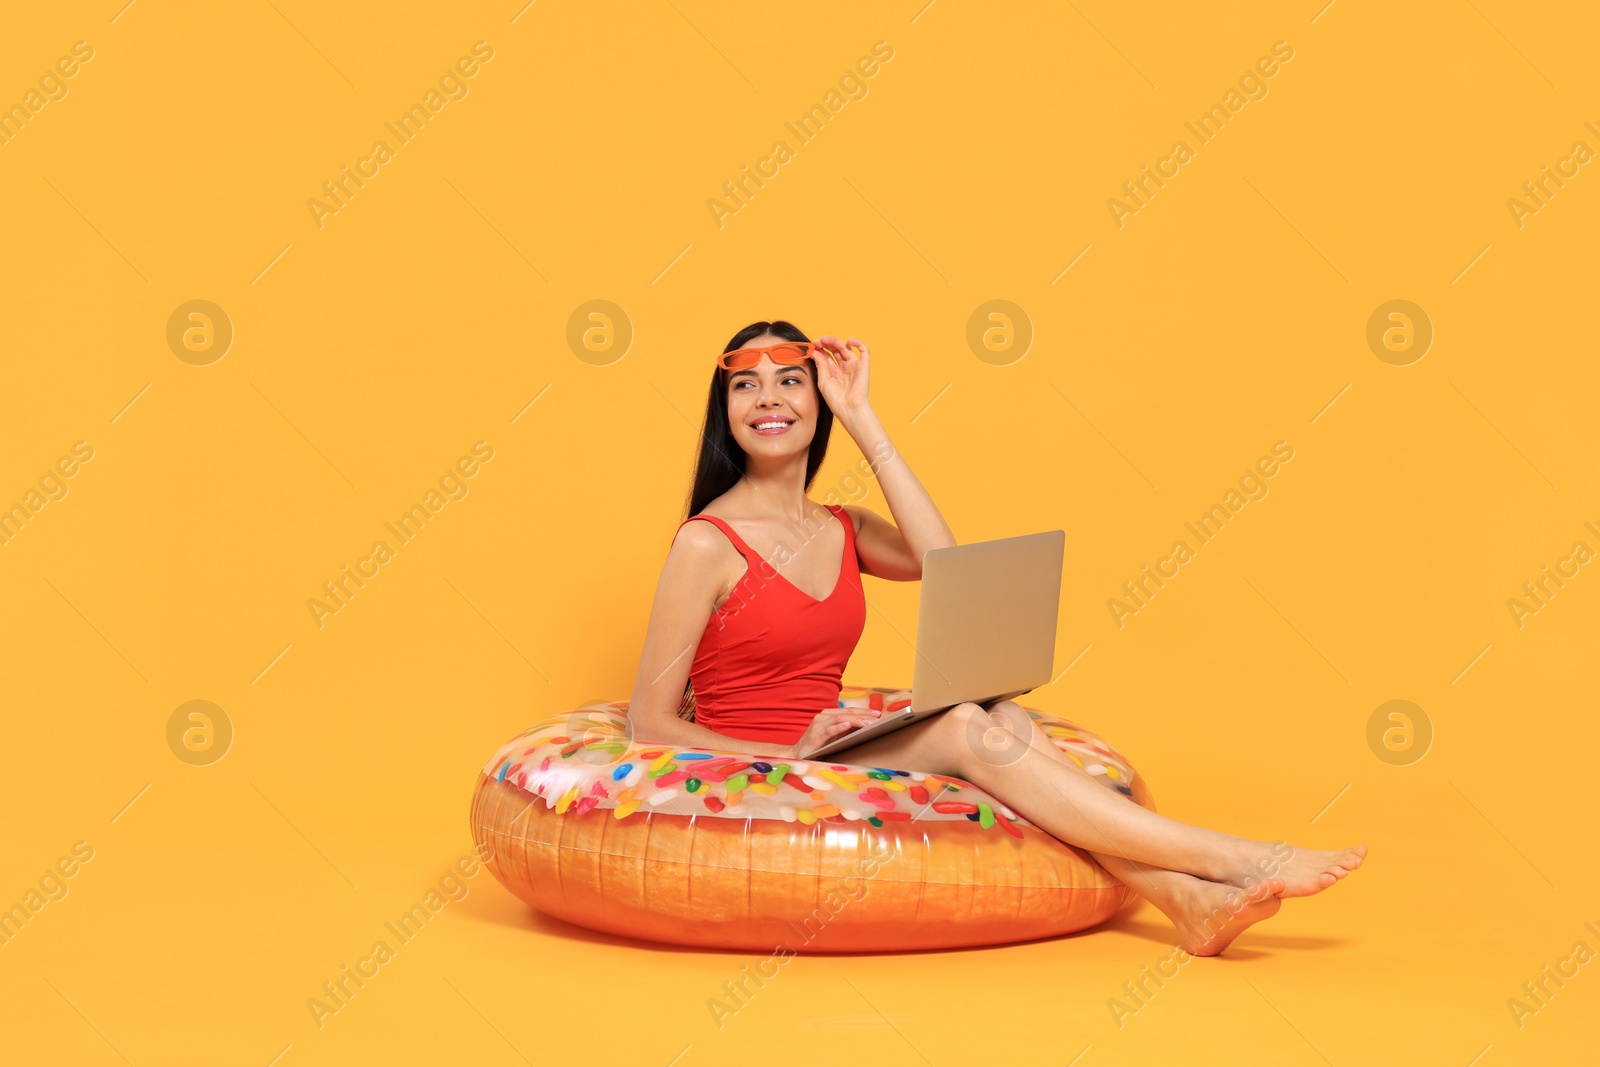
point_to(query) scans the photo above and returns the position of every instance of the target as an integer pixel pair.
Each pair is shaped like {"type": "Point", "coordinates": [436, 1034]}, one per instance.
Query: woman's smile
{"type": "Point", "coordinates": [772, 425]}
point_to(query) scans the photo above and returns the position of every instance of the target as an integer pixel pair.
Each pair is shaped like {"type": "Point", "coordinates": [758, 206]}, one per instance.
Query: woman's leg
{"type": "Point", "coordinates": [1023, 769]}
{"type": "Point", "coordinates": [1207, 915]}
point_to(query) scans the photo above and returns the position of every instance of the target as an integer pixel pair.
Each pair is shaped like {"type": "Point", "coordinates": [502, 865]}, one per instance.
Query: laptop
{"type": "Point", "coordinates": [986, 629]}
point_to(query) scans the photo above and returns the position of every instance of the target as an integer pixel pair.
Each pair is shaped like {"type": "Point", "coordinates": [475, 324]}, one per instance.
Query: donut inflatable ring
{"type": "Point", "coordinates": [717, 848]}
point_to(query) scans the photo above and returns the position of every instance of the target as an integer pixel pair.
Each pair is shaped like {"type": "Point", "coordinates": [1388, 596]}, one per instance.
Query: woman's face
{"type": "Point", "coordinates": [772, 407]}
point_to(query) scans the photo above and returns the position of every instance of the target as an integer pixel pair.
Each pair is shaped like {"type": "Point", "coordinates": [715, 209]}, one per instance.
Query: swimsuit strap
{"type": "Point", "coordinates": [738, 542]}
{"type": "Point", "coordinates": [849, 526]}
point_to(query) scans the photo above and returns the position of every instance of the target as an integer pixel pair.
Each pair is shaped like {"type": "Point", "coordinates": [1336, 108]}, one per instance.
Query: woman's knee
{"type": "Point", "coordinates": [997, 738]}
{"type": "Point", "coordinates": [961, 715]}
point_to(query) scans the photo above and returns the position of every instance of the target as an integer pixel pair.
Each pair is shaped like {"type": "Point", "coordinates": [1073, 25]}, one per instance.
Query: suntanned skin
{"type": "Point", "coordinates": [1211, 885]}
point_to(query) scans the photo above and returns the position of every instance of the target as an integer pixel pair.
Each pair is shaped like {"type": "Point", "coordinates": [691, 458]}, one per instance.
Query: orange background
{"type": "Point", "coordinates": [370, 353]}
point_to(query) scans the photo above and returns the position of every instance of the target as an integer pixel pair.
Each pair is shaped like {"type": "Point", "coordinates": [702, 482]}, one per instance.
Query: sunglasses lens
{"type": "Point", "coordinates": [789, 352]}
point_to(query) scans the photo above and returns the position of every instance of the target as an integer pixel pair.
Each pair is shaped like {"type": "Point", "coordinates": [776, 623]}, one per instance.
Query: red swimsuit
{"type": "Point", "coordinates": [772, 657]}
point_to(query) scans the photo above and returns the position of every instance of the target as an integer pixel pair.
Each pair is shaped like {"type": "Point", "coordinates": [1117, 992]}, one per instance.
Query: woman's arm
{"type": "Point", "coordinates": [886, 552]}
{"type": "Point", "coordinates": [685, 599]}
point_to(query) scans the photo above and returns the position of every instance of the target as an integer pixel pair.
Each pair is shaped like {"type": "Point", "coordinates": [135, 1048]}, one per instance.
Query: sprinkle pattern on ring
{"type": "Point", "coordinates": [726, 783]}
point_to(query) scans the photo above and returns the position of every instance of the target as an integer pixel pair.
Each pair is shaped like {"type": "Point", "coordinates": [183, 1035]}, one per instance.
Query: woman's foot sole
{"type": "Point", "coordinates": [1212, 914]}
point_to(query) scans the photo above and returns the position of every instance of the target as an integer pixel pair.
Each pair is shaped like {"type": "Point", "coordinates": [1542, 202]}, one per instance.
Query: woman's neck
{"type": "Point", "coordinates": [775, 488]}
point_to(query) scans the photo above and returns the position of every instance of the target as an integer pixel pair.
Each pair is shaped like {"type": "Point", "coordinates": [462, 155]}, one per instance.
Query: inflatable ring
{"type": "Point", "coordinates": [717, 848]}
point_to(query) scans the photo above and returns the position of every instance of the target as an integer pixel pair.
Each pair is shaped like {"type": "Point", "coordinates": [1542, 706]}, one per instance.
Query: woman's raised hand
{"type": "Point", "coordinates": [831, 723]}
{"type": "Point", "coordinates": [842, 379]}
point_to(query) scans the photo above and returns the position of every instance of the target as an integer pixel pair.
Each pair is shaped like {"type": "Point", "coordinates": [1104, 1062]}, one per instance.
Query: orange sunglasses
{"type": "Point", "coordinates": [784, 353]}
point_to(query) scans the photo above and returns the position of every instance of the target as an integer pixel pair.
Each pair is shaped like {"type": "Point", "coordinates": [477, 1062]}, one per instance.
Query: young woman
{"type": "Point", "coordinates": [760, 604]}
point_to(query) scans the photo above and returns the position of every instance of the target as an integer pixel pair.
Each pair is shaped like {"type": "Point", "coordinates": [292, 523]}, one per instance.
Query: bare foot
{"type": "Point", "coordinates": [1303, 871]}
{"type": "Point", "coordinates": [1209, 915]}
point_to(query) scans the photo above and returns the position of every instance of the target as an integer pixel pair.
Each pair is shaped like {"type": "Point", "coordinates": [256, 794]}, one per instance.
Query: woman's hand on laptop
{"type": "Point", "coordinates": [832, 723]}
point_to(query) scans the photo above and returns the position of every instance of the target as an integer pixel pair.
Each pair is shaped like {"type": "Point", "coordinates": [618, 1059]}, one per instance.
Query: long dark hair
{"type": "Point", "coordinates": [721, 461]}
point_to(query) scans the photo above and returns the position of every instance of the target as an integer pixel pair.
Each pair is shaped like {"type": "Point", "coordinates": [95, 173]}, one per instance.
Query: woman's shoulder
{"type": "Point", "coordinates": [724, 507]}
{"type": "Point", "coordinates": [699, 537]}
{"type": "Point", "coordinates": [700, 548]}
